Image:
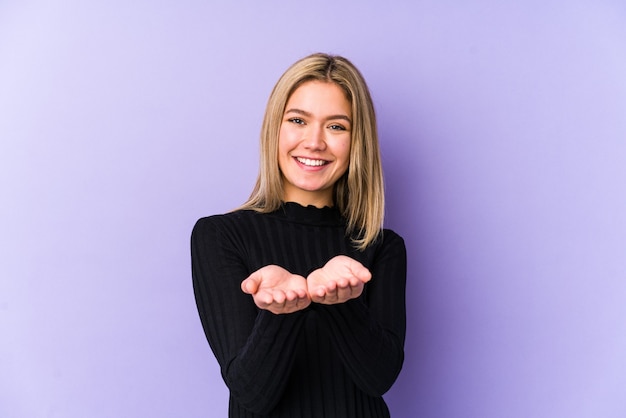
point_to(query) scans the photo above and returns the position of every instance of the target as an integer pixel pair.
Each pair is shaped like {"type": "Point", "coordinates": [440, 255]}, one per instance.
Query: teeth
{"type": "Point", "coordinates": [311, 163]}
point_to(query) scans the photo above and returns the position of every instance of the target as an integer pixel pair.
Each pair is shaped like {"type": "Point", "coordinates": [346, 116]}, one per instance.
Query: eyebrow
{"type": "Point", "coordinates": [308, 114]}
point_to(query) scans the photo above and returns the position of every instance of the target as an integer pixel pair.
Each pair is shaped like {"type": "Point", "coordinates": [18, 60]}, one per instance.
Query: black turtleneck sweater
{"type": "Point", "coordinates": [324, 361]}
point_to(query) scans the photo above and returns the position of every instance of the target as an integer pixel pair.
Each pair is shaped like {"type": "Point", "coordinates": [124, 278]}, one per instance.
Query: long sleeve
{"type": "Point", "coordinates": [253, 347]}
{"type": "Point", "coordinates": [334, 361]}
{"type": "Point", "coordinates": [369, 332]}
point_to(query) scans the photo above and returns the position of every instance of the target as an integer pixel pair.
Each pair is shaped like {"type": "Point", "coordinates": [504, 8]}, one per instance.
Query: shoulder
{"type": "Point", "coordinates": [390, 243]}
{"type": "Point", "coordinates": [222, 223]}
{"type": "Point", "coordinates": [387, 242]}
{"type": "Point", "coordinates": [390, 237]}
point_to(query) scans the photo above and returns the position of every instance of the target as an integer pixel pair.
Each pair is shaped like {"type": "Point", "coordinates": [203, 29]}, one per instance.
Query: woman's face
{"type": "Point", "coordinates": [314, 143]}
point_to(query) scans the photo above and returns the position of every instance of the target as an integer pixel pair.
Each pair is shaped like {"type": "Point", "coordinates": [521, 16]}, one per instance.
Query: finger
{"type": "Point", "coordinates": [290, 296]}
{"type": "Point", "coordinates": [291, 305]}
{"type": "Point", "coordinates": [317, 294]}
{"type": "Point", "coordinates": [344, 294]}
{"type": "Point", "coordinates": [320, 292]}
{"type": "Point", "coordinates": [344, 282]}
{"type": "Point", "coordinates": [355, 291]}
{"type": "Point", "coordinates": [352, 292]}
{"type": "Point", "coordinates": [279, 297]}
{"type": "Point", "coordinates": [302, 294]}
{"type": "Point", "coordinates": [264, 299]}
{"type": "Point", "coordinates": [332, 294]}
{"type": "Point", "coordinates": [354, 281]}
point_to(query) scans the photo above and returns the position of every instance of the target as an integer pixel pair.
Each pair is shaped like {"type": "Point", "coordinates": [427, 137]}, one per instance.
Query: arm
{"type": "Point", "coordinates": [369, 331]}
{"type": "Point", "coordinates": [253, 347]}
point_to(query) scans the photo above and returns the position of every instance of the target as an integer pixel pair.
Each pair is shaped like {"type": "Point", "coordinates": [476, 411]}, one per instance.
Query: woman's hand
{"type": "Point", "coordinates": [341, 279]}
{"type": "Point", "coordinates": [277, 290]}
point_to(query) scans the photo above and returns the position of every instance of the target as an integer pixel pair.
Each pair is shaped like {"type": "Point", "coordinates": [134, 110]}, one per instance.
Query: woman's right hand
{"type": "Point", "coordinates": [277, 290]}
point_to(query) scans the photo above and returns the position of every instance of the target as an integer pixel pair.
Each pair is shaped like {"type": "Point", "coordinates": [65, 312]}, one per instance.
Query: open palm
{"type": "Point", "coordinates": [277, 290]}
{"type": "Point", "coordinates": [342, 278]}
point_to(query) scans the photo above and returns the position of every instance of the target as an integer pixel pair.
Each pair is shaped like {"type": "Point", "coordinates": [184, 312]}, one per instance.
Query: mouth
{"type": "Point", "coordinates": [311, 162]}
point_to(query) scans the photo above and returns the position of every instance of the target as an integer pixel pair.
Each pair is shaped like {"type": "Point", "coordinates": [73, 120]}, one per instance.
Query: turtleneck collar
{"type": "Point", "coordinates": [295, 212]}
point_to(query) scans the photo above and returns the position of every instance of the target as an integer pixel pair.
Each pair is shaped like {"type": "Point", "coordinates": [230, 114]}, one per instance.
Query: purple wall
{"type": "Point", "coordinates": [503, 130]}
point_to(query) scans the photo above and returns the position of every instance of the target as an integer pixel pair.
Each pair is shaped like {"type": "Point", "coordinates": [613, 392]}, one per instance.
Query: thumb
{"type": "Point", "coordinates": [360, 271]}
{"type": "Point", "coordinates": [251, 284]}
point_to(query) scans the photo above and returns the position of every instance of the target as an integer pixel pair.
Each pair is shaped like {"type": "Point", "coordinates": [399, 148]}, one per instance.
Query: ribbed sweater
{"type": "Point", "coordinates": [323, 361]}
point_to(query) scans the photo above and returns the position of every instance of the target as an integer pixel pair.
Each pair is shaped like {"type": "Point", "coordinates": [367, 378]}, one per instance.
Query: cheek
{"type": "Point", "coordinates": [285, 139]}
{"type": "Point", "coordinates": [343, 155]}
{"type": "Point", "coordinates": [345, 151]}
{"type": "Point", "coordinates": [282, 141]}
{"type": "Point", "coordinates": [283, 148]}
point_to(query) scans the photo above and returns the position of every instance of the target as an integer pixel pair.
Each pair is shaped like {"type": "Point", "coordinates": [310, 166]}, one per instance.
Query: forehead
{"type": "Point", "coordinates": [319, 96]}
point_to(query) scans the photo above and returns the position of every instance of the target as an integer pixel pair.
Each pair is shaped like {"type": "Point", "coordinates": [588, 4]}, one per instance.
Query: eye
{"type": "Point", "coordinates": [296, 121]}
{"type": "Point", "coordinates": [336, 127]}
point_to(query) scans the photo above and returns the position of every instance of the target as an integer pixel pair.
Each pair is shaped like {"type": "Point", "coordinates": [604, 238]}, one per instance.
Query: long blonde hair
{"type": "Point", "coordinates": [359, 193]}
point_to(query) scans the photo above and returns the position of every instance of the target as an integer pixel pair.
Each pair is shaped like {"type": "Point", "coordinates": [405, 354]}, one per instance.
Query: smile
{"type": "Point", "coordinates": [311, 163]}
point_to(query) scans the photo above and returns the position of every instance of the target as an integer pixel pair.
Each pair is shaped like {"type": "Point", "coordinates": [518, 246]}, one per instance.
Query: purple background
{"type": "Point", "coordinates": [503, 131]}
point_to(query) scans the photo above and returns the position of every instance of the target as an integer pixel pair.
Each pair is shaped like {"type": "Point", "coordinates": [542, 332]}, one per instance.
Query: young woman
{"type": "Point", "coordinates": [301, 292]}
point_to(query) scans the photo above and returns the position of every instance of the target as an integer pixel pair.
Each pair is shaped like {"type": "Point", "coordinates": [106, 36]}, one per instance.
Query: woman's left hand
{"type": "Point", "coordinates": [342, 278]}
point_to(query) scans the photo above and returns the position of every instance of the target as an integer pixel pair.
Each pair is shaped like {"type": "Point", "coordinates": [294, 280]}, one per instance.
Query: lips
{"type": "Point", "coordinates": [311, 162]}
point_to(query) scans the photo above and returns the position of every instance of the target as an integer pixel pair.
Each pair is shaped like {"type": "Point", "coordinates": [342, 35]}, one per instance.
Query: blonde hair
{"type": "Point", "coordinates": [359, 193]}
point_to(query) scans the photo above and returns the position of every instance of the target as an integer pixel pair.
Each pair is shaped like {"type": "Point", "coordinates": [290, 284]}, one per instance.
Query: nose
{"type": "Point", "coordinates": [315, 138]}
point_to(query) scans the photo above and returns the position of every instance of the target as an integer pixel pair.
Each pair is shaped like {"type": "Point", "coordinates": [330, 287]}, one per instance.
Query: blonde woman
{"type": "Point", "coordinates": [300, 291]}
